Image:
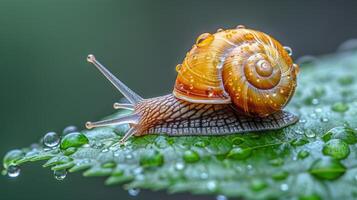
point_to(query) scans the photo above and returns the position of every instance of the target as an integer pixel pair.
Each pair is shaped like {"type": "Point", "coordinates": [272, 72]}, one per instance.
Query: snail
{"type": "Point", "coordinates": [233, 81]}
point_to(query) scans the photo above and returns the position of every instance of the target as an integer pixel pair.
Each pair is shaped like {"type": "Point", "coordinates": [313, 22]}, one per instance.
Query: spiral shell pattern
{"type": "Point", "coordinates": [243, 66]}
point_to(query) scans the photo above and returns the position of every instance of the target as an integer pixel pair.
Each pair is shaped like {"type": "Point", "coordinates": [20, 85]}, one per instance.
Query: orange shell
{"type": "Point", "coordinates": [243, 66]}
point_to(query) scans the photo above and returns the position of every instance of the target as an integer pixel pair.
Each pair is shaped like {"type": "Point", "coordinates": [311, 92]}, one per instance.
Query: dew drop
{"type": "Point", "coordinates": [336, 148]}
{"type": "Point", "coordinates": [51, 139]}
{"type": "Point", "coordinates": [324, 119]}
{"type": "Point", "coordinates": [239, 153]}
{"type": "Point", "coordinates": [240, 26]}
{"type": "Point", "coordinates": [281, 175]}
{"type": "Point", "coordinates": [289, 50]}
{"type": "Point", "coordinates": [237, 140]}
{"type": "Point", "coordinates": [201, 143]}
{"type": "Point", "coordinates": [69, 129]}
{"type": "Point", "coordinates": [75, 139]}
{"type": "Point", "coordinates": [152, 159]}
{"type": "Point", "coordinates": [179, 166]}
{"type": "Point", "coordinates": [284, 187]}
{"type": "Point", "coordinates": [318, 110]}
{"type": "Point", "coordinates": [346, 80]}
{"type": "Point", "coordinates": [276, 162]}
{"type": "Point", "coordinates": [346, 134]}
{"type": "Point", "coordinates": [258, 185]}
{"type": "Point", "coordinates": [13, 171]}
{"type": "Point", "coordinates": [315, 101]}
{"type": "Point", "coordinates": [300, 132]}
{"type": "Point", "coordinates": [327, 168]}
{"type": "Point", "coordinates": [221, 197]}
{"type": "Point", "coordinates": [134, 192]}
{"type": "Point", "coordinates": [299, 141]}
{"type": "Point", "coordinates": [303, 154]}
{"type": "Point", "coordinates": [210, 92]}
{"type": "Point", "coordinates": [178, 67]}
{"type": "Point", "coordinates": [211, 185]}
{"type": "Point", "coordinates": [310, 134]}
{"type": "Point", "coordinates": [219, 30]}
{"type": "Point", "coordinates": [310, 197]}
{"type": "Point", "coordinates": [12, 156]}
{"type": "Point", "coordinates": [60, 174]}
{"type": "Point", "coordinates": [204, 175]}
{"type": "Point", "coordinates": [339, 107]}
{"type": "Point", "coordinates": [190, 156]}
{"type": "Point", "coordinates": [204, 39]}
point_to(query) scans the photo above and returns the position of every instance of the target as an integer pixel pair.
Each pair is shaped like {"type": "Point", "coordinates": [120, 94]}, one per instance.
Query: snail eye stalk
{"type": "Point", "coordinates": [127, 135]}
{"type": "Point", "coordinates": [128, 119]}
{"type": "Point", "coordinates": [123, 106]}
{"type": "Point", "coordinates": [125, 90]}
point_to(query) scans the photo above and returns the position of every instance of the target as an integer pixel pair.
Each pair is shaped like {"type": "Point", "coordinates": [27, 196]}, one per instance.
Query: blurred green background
{"type": "Point", "coordinates": [46, 83]}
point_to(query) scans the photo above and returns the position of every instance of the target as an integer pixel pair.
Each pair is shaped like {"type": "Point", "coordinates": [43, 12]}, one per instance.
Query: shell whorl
{"type": "Point", "coordinates": [243, 66]}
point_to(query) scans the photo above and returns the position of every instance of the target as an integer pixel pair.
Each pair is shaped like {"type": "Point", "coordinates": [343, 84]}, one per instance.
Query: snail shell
{"type": "Point", "coordinates": [245, 67]}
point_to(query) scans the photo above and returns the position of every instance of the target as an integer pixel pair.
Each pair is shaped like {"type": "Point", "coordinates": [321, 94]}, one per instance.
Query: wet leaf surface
{"type": "Point", "coordinates": [313, 159]}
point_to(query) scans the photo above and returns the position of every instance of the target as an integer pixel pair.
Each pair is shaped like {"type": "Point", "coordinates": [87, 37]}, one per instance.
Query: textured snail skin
{"type": "Point", "coordinates": [233, 81]}
{"type": "Point", "coordinates": [241, 66]}
{"type": "Point", "coordinates": [172, 116]}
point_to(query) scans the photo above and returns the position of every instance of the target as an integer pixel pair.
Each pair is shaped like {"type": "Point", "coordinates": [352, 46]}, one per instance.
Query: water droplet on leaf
{"type": "Point", "coordinates": [75, 139]}
{"type": "Point", "coordinates": [284, 187]}
{"type": "Point", "coordinates": [303, 154]}
{"type": "Point", "coordinates": [239, 153]}
{"type": "Point", "coordinates": [237, 140]}
{"type": "Point", "coordinates": [345, 80]}
{"type": "Point", "coordinates": [310, 197]}
{"type": "Point", "coordinates": [152, 159]}
{"type": "Point", "coordinates": [69, 129]}
{"type": "Point", "coordinates": [221, 197]}
{"type": "Point", "coordinates": [179, 166]}
{"type": "Point", "coordinates": [310, 134]}
{"type": "Point", "coordinates": [191, 156]}
{"type": "Point", "coordinates": [346, 134]}
{"type": "Point", "coordinates": [13, 171]}
{"type": "Point", "coordinates": [339, 107]}
{"type": "Point", "coordinates": [12, 156]}
{"type": "Point", "coordinates": [258, 185]}
{"type": "Point", "coordinates": [281, 175]}
{"type": "Point", "coordinates": [60, 174]}
{"type": "Point", "coordinates": [51, 139]}
{"type": "Point", "coordinates": [315, 101]}
{"type": "Point", "coordinates": [299, 141]}
{"type": "Point", "coordinates": [276, 162]}
{"type": "Point", "coordinates": [336, 148]}
{"type": "Point", "coordinates": [327, 168]}
{"type": "Point", "coordinates": [134, 192]}
{"type": "Point", "coordinates": [201, 144]}
{"type": "Point", "coordinates": [211, 185]}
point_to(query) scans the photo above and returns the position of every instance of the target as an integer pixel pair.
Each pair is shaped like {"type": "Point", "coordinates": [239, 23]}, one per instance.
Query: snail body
{"type": "Point", "coordinates": [237, 80]}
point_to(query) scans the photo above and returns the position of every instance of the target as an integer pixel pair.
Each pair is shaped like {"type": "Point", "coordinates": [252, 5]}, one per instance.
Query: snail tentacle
{"type": "Point", "coordinates": [127, 135]}
{"type": "Point", "coordinates": [126, 106]}
{"type": "Point", "coordinates": [125, 90]}
{"type": "Point", "coordinates": [127, 119]}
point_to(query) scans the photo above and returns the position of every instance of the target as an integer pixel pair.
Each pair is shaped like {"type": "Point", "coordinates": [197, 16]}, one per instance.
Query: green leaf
{"type": "Point", "coordinates": [313, 159]}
